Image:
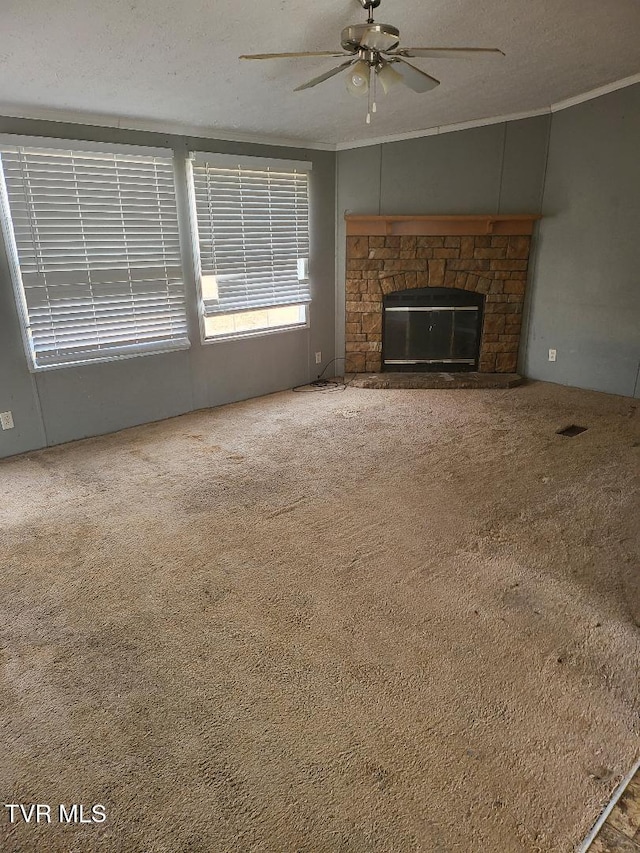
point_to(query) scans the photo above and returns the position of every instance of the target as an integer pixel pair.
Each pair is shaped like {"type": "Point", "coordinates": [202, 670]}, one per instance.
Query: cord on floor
{"type": "Point", "coordinates": [321, 384]}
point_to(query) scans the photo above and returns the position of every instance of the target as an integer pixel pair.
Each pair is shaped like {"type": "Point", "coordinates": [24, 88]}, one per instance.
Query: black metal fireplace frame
{"type": "Point", "coordinates": [430, 299]}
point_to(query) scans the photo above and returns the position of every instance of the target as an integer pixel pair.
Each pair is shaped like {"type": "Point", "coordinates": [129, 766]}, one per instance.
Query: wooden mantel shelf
{"type": "Point", "coordinates": [445, 225]}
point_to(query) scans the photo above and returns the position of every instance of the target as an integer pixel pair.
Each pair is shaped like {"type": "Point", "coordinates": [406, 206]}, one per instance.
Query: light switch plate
{"type": "Point", "coordinates": [6, 420]}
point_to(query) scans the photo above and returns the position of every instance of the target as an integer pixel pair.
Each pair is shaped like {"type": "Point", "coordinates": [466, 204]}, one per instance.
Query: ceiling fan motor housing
{"type": "Point", "coordinates": [370, 36]}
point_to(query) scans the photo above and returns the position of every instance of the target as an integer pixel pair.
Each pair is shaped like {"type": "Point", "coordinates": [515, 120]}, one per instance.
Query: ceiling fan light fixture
{"type": "Point", "coordinates": [358, 79]}
{"type": "Point", "coordinates": [372, 53]}
{"type": "Point", "coordinates": [388, 76]}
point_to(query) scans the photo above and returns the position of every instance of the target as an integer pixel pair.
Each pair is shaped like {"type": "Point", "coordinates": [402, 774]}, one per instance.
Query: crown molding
{"type": "Point", "coordinates": [596, 93]}
{"type": "Point", "coordinates": [198, 132]}
{"type": "Point", "coordinates": [451, 128]}
{"type": "Point", "coordinates": [443, 128]}
{"type": "Point", "coordinates": [165, 128]}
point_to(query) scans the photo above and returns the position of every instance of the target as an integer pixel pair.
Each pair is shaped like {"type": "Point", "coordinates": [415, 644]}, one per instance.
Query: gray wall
{"type": "Point", "coordinates": [53, 406]}
{"type": "Point", "coordinates": [585, 289]}
{"type": "Point", "coordinates": [493, 169]}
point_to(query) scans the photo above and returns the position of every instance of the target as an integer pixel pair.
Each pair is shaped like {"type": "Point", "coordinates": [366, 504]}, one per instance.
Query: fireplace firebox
{"type": "Point", "coordinates": [431, 329]}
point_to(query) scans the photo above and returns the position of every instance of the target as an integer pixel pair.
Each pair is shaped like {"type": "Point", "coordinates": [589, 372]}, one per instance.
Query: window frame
{"type": "Point", "coordinates": [255, 163]}
{"type": "Point", "coordinates": [13, 258]}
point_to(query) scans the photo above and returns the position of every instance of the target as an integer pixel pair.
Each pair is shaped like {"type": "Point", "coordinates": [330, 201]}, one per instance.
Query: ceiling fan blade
{"type": "Point", "coordinates": [449, 52]}
{"type": "Point", "coordinates": [414, 78]}
{"type": "Point", "coordinates": [325, 76]}
{"type": "Point", "coordinates": [292, 55]}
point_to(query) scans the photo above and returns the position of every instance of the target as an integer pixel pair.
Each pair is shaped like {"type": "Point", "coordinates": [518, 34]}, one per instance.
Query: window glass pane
{"type": "Point", "coordinates": [246, 322]}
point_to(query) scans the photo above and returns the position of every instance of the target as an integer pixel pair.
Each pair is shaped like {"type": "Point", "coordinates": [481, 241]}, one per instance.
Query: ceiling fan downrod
{"type": "Point", "coordinates": [370, 5]}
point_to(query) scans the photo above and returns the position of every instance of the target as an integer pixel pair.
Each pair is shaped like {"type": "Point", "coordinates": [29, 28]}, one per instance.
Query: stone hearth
{"type": "Point", "coordinates": [435, 380]}
{"type": "Point", "coordinates": [494, 264]}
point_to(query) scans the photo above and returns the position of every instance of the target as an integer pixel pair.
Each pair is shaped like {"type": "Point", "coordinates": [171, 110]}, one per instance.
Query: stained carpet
{"type": "Point", "coordinates": [332, 622]}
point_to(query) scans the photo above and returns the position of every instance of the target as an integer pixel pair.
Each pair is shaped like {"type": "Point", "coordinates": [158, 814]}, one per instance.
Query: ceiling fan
{"type": "Point", "coordinates": [374, 55]}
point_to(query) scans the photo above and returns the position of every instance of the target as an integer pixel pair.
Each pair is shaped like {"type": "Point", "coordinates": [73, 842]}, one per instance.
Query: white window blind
{"type": "Point", "coordinates": [253, 234]}
{"type": "Point", "coordinates": [96, 238]}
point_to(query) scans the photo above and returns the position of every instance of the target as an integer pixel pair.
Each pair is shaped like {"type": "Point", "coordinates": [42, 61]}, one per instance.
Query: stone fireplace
{"type": "Point", "coordinates": [483, 255]}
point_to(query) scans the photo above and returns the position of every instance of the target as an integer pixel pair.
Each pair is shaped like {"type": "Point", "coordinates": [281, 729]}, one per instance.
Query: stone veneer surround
{"type": "Point", "coordinates": [492, 264]}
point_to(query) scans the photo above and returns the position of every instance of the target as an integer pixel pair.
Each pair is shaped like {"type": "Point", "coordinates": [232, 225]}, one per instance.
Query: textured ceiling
{"type": "Point", "coordinates": [176, 63]}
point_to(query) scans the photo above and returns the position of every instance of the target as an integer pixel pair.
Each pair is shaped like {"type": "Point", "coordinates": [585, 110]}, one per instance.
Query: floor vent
{"type": "Point", "coordinates": [571, 431]}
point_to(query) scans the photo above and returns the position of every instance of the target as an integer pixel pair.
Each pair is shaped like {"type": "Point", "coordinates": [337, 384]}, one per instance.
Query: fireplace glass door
{"type": "Point", "coordinates": [432, 329]}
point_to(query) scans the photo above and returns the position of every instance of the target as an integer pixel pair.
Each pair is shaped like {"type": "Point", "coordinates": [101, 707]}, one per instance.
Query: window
{"type": "Point", "coordinates": [94, 242]}
{"type": "Point", "coordinates": [253, 243]}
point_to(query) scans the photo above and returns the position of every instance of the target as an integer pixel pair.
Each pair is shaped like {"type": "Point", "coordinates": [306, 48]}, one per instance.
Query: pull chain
{"type": "Point", "coordinates": [371, 105]}
{"type": "Point", "coordinates": [374, 83]}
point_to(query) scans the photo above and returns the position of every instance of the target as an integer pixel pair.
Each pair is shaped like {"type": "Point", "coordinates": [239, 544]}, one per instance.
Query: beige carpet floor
{"type": "Point", "coordinates": [387, 621]}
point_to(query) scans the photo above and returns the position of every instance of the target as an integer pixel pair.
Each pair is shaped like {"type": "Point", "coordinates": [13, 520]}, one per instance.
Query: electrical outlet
{"type": "Point", "coordinates": [6, 420]}
{"type": "Point", "coordinates": [552, 354]}
{"type": "Point", "coordinates": [318, 358]}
